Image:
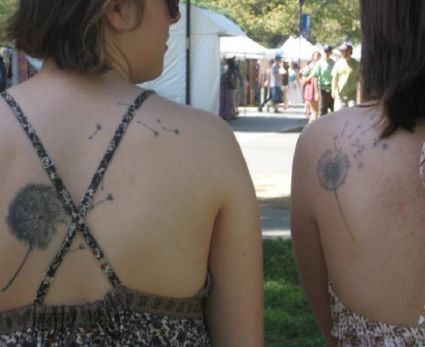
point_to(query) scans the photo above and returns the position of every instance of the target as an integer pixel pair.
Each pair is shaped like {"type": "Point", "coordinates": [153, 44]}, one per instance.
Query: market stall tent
{"type": "Point", "coordinates": [207, 28]}
{"type": "Point", "coordinates": [297, 48]}
{"type": "Point", "coordinates": [241, 47]}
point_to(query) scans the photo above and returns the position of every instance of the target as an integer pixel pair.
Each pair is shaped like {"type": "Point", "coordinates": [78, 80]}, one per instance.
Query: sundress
{"type": "Point", "coordinates": [124, 316]}
{"type": "Point", "coordinates": [354, 330]}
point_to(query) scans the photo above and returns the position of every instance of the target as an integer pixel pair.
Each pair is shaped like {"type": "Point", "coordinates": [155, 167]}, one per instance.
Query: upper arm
{"type": "Point", "coordinates": [234, 309]}
{"type": "Point", "coordinates": [305, 233]}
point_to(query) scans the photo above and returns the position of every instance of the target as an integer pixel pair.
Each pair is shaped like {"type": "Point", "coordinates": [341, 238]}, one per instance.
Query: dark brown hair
{"type": "Point", "coordinates": [71, 32]}
{"type": "Point", "coordinates": [393, 60]}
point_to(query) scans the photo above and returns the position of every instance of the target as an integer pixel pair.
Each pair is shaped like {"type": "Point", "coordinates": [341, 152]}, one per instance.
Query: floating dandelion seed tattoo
{"type": "Point", "coordinates": [332, 170]}
{"type": "Point", "coordinates": [175, 131]}
{"type": "Point", "coordinates": [98, 128]}
{"type": "Point", "coordinates": [108, 198]}
{"type": "Point", "coordinates": [33, 218]}
{"type": "Point", "coordinates": [157, 132]}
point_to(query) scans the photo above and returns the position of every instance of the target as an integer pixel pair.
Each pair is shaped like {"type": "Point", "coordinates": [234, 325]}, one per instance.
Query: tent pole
{"type": "Point", "coordinates": [188, 46]}
{"type": "Point", "coordinates": [301, 3]}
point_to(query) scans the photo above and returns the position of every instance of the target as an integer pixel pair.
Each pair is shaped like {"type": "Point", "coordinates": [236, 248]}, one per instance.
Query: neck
{"type": "Point", "coordinates": [117, 59]}
{"type": "Point", "coordinates": [90, 81]}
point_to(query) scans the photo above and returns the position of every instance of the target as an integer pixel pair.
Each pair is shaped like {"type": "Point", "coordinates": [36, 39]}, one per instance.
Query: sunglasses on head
{"type": "Point", "coordinates": [173, 8]}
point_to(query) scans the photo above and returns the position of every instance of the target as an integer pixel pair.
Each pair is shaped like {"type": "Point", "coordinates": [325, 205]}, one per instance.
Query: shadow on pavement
{"type": "Point", "coordinates": [275, 216]}
{"type": "Point", "coordinates": [280, 202]}
{"type": "Point", "coordinates": [267, 124]}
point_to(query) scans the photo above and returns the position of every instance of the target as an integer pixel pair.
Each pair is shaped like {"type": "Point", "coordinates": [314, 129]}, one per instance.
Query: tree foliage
{"type": "Point", "coordinates": [272, 21]}
{"type": "Point", "coordinates": [7, 7]}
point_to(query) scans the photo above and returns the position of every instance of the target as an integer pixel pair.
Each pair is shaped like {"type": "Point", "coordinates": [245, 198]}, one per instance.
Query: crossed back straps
{"type": "Point", "coordinates": [77, 214]}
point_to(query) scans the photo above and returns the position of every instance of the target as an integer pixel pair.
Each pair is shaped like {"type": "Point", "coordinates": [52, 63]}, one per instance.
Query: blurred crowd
{"type": "Point", "coordinates": [326, 83]}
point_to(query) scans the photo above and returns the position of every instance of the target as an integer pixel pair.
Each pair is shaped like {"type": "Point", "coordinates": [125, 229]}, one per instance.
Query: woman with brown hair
{"type": "Point", "coordinates": [115, 229]}
{"type": "Point", "coordinates": [358, 194]}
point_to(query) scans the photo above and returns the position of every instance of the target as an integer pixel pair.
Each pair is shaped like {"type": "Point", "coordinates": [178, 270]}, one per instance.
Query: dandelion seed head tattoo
{"type": "Point", "coordinates": [33, 218]}
{"type": "Point", "coordinates": [333, 169]}
{"type": "Point", "coordinates": [35, 214]}
{"type": "Point", "coordinates": [334, 165]}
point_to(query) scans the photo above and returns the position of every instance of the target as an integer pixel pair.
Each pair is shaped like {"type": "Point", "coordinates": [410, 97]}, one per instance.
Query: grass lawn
{"type": "Point", "coordinates": [289, 321]}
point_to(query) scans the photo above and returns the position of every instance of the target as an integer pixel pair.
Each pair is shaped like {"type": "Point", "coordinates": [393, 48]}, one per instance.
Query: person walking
{"type": "Point", "coordinates": [230, 82]}
{"type": "Point", "coordinates": [358, 193]}
{"type": "Point", "coordinates": [345, 79]}
{"type": "Point", "coordinates": [267, 89]}
{"type": "Point", "coordinates": [276, 83]}
{"type": "Point", "coordinates": [323, 72]}
{"type": "Point", "coordinates": [118, 225]}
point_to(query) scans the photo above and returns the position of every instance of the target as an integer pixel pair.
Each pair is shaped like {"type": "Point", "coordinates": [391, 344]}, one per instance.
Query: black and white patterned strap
{"type": "Point", "coordinates": [77, 214]}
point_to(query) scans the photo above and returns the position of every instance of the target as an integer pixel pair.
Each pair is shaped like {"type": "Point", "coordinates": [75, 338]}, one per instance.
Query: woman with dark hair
{"type": "Point", "coordinates": [358, 195]}
{"type": "Point", "coordinates": [115, 229]}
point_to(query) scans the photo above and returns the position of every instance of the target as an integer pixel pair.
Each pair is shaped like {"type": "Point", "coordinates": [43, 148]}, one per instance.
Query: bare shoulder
{"type": "Point", "coordinates": [339, 128]}
{"type": "Point", "coordinates": [199, 128]}
{"type": "Point", "coordinates": [190, 115]}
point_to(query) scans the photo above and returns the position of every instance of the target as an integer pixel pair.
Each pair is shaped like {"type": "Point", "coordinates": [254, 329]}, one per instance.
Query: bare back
{"type": "Point", "coordinates": [367, 200]}
{"type": "Point", "coordinates": [155, 211]}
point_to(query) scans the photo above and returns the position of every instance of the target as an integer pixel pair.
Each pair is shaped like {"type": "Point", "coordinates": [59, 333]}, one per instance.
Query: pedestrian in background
{"type": "Point", "coordinates": [230, 82]}
{"type": "Point", "coordinates": [345, 79]}
{"type": "Point", "coordinates": [294, 90]}
{"type": "Point", "coordinates": [276, 83]}
{"type": "Point", "coordinates": [311, 90]}
{"type": "Point", "coordinates": [285, 83]}
{"type": "Point", "coordinates": [267, 88]}
{"type": "Point", "coordinates": [358, 193]}
{"type": "Point", "coordinates": [323, 73]}
{"type": "Point", "coordinates": [133, 220]}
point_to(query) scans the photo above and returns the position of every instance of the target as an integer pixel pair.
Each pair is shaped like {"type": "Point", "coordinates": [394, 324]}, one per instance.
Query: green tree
{"type": "Point", "coordinates": [334, 20]}
{"type": "Point", "coordinates": [272, 21]}
{"type": "Point", "coordinates": [6, 9]}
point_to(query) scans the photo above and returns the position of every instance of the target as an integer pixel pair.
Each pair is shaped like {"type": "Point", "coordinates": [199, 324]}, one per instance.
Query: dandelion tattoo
{"type": "Point", "coordinates": [108, 198]}
{"type": "Point", "coordinates": [334, 165]}
{"type": "Point", "coordinates": [33, 218]}
{"type": "Point", "coordinates": [332, 169]}
{"type": "Point", "coordinates": [98, 128]}
{"type": "Point", "coordinates": [157, 132]}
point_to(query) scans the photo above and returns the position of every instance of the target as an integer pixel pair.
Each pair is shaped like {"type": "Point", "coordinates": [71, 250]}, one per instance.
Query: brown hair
{"type": "Point", "coordinates": [69, 32]}
{"type": "Point", "coordinates": [393, 60]}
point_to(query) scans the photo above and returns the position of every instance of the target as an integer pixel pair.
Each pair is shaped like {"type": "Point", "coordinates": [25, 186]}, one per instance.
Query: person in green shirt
{"type": "Point", "coordinates": [323, 73]}
{"type": "Point", "coordinates": [345, 78]}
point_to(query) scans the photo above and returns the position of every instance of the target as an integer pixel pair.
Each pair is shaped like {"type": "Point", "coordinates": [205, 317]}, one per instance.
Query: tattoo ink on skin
{"type": "Point", "coordinates": [343, 130]}
{"type": "Point", "coordinates": [355, 131]}
{"type": "Point", "coordinates": [334, 165]}
{"type": "Point", "coordinates": [156, 132]}
{"type": "Point", "coordinates": [175, 131]}
{"type": "Point", "coordinates": [98, 128]}
{"type": "Point", "coordinates": [108, 198]}
{"type": "Point", "coordinates": [332, 169]}
{"type": "Point", "coordinates": [33, 218]}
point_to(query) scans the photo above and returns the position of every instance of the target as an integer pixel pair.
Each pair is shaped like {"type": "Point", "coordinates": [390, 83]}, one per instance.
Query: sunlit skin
{"type": "Point", "coordinates": [133, 50]}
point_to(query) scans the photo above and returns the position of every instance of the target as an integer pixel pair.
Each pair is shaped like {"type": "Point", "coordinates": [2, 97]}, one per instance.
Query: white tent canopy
{"type": "Point", "coordinates": [241, 47]}
{"type": "Point", "coordinates": [297, 49]}
{"type": "Point", "coordinates": [357, 52]}
{"type": "Point", "coordinates": [207, 28]}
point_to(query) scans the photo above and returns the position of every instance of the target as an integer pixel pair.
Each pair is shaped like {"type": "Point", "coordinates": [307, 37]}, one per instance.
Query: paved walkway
{"type": "Point", "coordinates": [268, 143]}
